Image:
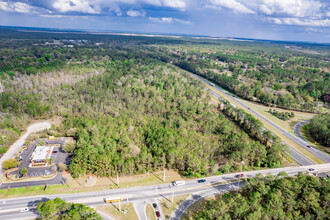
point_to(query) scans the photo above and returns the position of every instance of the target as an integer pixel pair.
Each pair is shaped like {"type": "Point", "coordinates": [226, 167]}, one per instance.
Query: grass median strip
{"type": "Point", "coordinates": [127, 211]}
{"type": "Point", "coordinates": [150, 212]}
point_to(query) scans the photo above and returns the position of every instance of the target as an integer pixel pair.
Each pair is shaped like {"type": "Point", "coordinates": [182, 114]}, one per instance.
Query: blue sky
{"type": "Point", "coordinates": [297, 20]}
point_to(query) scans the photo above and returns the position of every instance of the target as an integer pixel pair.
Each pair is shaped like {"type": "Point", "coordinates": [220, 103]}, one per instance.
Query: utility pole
{"type": "Point", "coordinates": [164, 167]}
{"type": "Point", "coordinates": [119, 206]}
{"type": "Point", "coordinates": [172, 196]}
{"type": "Point", "coordinates": [117, 180]}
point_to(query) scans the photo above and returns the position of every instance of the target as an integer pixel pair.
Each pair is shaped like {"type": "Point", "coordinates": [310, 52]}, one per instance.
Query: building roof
{"type": "Point", "coordinates": [41, 153]}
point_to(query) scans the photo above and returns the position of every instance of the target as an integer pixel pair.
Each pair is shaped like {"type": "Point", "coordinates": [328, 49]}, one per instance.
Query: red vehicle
{"type": "Point", "coordinates": [240, 175]}
{"type": "Point", "coordinates": [157, 214]}
{"type": "Point", "coordinates": [309, 146]}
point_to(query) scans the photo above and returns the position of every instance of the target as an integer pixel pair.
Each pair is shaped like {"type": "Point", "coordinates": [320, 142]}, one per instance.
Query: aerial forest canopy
{"type": "Point", "coordinates": [59, 209]}
{"type": "Point", "coordinates": [319, 129]}
{"type": "Point", "coordinates": [281, 197]}
{"type": "Point", "coordinates": [131, 109]}
{"type": "Point", "coordinates": [281, 77]}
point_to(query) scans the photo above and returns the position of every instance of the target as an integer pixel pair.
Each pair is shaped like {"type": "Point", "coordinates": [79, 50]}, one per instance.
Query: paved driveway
{"type": "Point", "coordinates": [14, 149]}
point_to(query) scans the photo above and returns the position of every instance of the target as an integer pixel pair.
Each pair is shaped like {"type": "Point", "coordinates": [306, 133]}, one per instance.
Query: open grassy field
{"type": "Point", "coordinates": [112, 211]}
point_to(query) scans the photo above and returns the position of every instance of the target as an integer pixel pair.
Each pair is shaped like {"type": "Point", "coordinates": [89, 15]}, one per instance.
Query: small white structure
{"type": "Point", "coordinates": [40, 155]}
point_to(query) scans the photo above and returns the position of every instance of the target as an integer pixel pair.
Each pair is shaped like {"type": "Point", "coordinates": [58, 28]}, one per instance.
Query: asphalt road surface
{"type": "Point", "coordinates": [295, 154]}
{"type": "Point", "coordinates": [9, 208]}
{"type": "Point", "coordinates": [297, 130]}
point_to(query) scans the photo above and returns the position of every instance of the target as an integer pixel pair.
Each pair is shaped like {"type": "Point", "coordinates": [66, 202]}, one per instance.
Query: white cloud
{"type": "Point", "coordinates": [292, 8]}
{"type": "Point", "coordinates": [16, 7]}
{"type": "Point", "coordinates": [84, 6]}
{"type": "Point", "coordinates": [234, 5]}
{"type": "Point", "coordinates": [162, 20]}
{"type": "Point", "coordinates": [302, 21]}
{"type": "Point", "coordinates": [134, 13]}
{"type": "Point", "coordinates": [168, 20]}
{"type": "Point", "coordinates": [180, 4]}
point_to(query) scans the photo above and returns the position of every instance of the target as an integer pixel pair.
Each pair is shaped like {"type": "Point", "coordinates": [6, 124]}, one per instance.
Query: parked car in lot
{"type": "Point", "coordinates": [311, 169]}
{"type": "Point", "coordinates": [26, 209]}
{"type": "Point", "coordinates": [154, 205]}
{"type": "Point", "coordinates": [240, 175]}
{"type": "Point", "coordinates": [157, 214]}
{"type": "Point", "coordinates": [201, 180]}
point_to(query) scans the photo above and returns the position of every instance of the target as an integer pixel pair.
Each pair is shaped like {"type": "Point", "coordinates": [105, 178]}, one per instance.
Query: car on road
{"type": "Point", "coordinates": [201, 180]}
{"type": "Point", "coordinates": [26, 209]}
{"type": "Point", "coordinates": [309, 146]}
{"type": "Point", "coordinates": [240, 175]}
{"type": "Point", "coordinates": [311, 169]}
{"type": "Point", "coordinates": [157, 214]}
{"type": "Point", "coordinates": [154, 205]}
{"type": "Point", "coordinates": [179, 183]}
{"type": "Point", "coordinates": [55, 152]}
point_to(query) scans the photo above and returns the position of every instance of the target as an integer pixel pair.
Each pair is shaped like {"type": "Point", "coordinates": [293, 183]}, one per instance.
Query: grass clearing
{"type": "Point", "coordinates": [168, 207]}
{"type": "Point", "coordinates": [150, 212]}
{"type": "Point", "coordinates": [112, 211]}
{"type": "Point", "coordinates": [287, 125]}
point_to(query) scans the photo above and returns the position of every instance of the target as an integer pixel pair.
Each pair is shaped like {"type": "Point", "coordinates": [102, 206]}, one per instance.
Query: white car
{"type": "Point", "coordinates": [26, 209]}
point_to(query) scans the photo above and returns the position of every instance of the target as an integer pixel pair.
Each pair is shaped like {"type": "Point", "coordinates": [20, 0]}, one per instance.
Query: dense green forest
{"type": "Point", "coordinates": [136, 116]}
{"type": "Point", "coordinates": [281, 197]}
{"type": "Point", "coordinates": [319, 129]}
{"type": "Point", "coordinates": [59, 209]}
{"type": "Point", "coordinates": [130, 109]}
{"type": "Point", "coordinates": [273, 76]}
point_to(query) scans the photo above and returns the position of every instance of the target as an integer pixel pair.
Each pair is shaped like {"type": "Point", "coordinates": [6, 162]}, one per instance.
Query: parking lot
{"type": "Point", "coordinates": [57, 154]}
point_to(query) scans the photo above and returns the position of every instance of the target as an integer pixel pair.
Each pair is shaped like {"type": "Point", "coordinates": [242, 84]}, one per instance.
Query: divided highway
{"type": "Point", "coordinates": [9, 208]}
{"type": "Point", "coordinates": [295, 154]}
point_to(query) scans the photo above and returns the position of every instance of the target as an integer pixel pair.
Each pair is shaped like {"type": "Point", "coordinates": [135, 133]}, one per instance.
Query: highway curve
{"type": "Point", "coordinates": [295, 151]}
